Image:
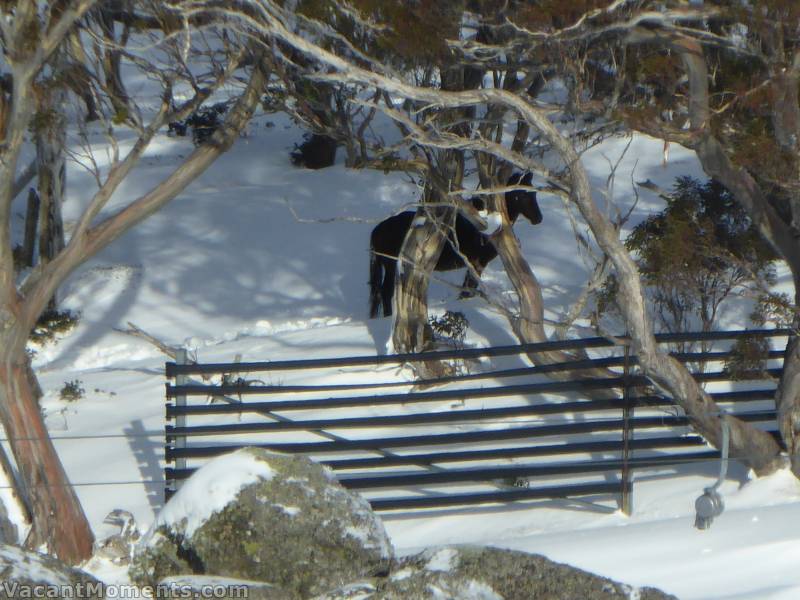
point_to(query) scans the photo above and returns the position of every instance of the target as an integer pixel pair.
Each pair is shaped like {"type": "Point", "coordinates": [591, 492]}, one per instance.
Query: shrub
{"type": "Point", "coordinates": [203, 122]}
{"type": "Point", "coordinates": [52, 322]}
{"type": "Point", "coordinates": [749, 360]}
{"type": "Point", "coordinates": [72, 391]}
{"type": "Point", "coordinates": [451, 327]}
{"type": "Point", "coordinates": [692, 256]}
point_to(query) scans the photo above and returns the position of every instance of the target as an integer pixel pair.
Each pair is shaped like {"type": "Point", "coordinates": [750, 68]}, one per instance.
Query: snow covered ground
{"type": "Point", "coordinates": [227, 269]}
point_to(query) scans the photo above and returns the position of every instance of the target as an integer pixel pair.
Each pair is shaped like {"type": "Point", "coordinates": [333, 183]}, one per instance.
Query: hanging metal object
{"type": "Point", "coordinates": [710, 505]}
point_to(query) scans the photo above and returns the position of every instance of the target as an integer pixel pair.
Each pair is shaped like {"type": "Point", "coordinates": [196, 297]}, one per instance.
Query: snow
{"type": "Point", "coordinates": [209, 490]}
{"type": "Point", "coordinates": [493, 221]}
{"type": "Point", "coordinates": [442, 560]}
{"type": "Point", "coordinates": [227, 269]}
{"type": "Point", "coordinates": [473, 590]}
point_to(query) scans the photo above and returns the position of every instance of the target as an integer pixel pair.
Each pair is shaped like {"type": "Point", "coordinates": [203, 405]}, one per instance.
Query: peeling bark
{"type": "Point", "coordinates": [787, 401]}
{"type": "Point", "coordinates": [717, 164]}
{"type": "Point", "coordinates": [58, 519]}
{"type": "Point", "coordinates": [755, 447]}
{"type": "Point", "coordinates": [418, 256]}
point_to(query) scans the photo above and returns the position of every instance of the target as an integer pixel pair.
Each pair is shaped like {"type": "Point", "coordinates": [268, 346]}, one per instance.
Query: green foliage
{"type": "Point", "coordinates": [120, 116]}
{"type": "Point", "coordinates": [750, 358]}
{"type": "Point", "coordinates": [547, 14]}
{"type": "Point", "coordinates": [72, 391]}
{"type": "Point", "coordinates": [405, 33]}
{"type": "Point", "coordinates": [51, 323]}
{"type": "Point", "coordinates": [693, 255]}
{"type": "Point", "coordinates": [451, 326]}
{"type": "Point", "coordinates": [754, 141]}
{"type": "Point", "coordinates": [776, 308]}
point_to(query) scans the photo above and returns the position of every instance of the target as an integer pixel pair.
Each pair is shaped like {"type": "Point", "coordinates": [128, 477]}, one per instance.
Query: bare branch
{"type": "Point", "coordinates": [88, 240]}
{"type": "Point", "coordinates": [170, 351]}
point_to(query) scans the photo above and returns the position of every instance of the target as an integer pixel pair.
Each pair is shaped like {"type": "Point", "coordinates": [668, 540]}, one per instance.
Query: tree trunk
{"type": "Point", "coordinates": [424, 244]}
{"type": "Point", "coordinates": [52, 181]}
{"type": "Point", "coordinates": [52, 169]}
{"type": "Point", "coordinates": [112, 58]}
{"type": "Point", "coordinates": [529, 325]}
{"type": "Point", "coordinates": [745, 189]}
{"type": "Point", "coordinates": [787, 396]}
{"type": "Point", "coordinates": [58, 520]}
{"type": "Point", "coordinates": [747, 442]}
{"type": "Point", "coordinates": [418, 257]}
{"type": "Point", "coordinates": [31, 219]}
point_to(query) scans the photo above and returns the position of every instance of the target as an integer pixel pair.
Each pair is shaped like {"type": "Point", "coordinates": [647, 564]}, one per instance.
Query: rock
{"type": "Point", "coordinates": [418, 585]}
{"type": "Point", "coordinates": [475, 573]}
{"type": "Point", "coordinates": [8, 531]}
{"type": "Point", "coordinates": [26, 574]}
{"type": "Point", "coordinates": [269, 517]}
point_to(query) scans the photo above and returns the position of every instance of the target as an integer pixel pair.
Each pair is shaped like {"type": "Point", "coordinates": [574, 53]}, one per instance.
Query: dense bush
{"type": "Point", "coordinates": [203, 123]}
{"type": "Point", "coordinates": [315, 152]}
{"type": "Point", "coordinates": [72, 391]}
{"type": "Point", "coordinates": [51, 323]}
{"type": "Point", "coordinates": [699, 251]}
{"type": "Point", "coordinates": [451, 327]}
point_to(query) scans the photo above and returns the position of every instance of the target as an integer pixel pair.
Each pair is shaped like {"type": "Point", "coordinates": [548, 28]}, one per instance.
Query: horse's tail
{"type": "Point", "coordinates": [375, 283]}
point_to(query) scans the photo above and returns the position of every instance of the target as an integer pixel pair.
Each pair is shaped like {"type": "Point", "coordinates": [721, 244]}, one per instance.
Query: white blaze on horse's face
{"type": "Point", "coordinates": [493, 222]}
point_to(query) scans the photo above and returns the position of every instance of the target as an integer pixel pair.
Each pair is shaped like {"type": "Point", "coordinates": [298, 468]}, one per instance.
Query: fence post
{"type": "Point", "coordinates": [180, 421]}
{"type": "Point", "coordinates": [627, 435]}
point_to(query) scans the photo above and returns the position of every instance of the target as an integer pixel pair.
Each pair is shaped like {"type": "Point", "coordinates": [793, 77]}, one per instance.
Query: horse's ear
{"type": "Point", "coordinates": [523, 203]}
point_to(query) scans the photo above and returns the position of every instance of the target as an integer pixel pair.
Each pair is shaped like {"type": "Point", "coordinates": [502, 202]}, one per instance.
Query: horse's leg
{"type": "Point", "coordinates": [375, 284]}
{"type": "Point", "coordinates": [470, 284]}
{"type": "Point", "coordinates": [387, 288]}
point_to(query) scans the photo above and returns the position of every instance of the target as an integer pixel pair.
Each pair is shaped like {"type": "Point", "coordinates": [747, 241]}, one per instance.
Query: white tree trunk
{"type": "Point", "coordinates": [58, 520]}
{"type": "Point", "coordinates": [418, 256]}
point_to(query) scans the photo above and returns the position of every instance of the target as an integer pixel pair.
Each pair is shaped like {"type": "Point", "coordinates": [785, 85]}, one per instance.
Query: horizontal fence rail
{"type": "Point", "coordinates": [173, 369]}
{"type": "Point", "coordinates": [476, 438]}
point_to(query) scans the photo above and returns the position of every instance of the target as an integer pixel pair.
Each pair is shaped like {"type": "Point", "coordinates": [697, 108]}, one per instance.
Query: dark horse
{"type": "Point", "coordinates": [387, 239]}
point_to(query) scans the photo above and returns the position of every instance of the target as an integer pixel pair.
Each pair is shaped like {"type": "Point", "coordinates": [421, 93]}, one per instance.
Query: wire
{"type": "Point", "coordinates": [677, 460]}
{"type": "Point", "coordinates": [85, 437]}
{"type": "Point", "coordinates": [89, 483]}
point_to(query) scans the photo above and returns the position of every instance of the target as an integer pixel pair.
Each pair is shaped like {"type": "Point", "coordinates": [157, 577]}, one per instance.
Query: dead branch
{"type": "Point", "coordinates": [133, 330]}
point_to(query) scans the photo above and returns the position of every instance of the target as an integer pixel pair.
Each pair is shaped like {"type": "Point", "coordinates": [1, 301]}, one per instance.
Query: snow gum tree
{"type": "Point", "coordinates": [586, 47]}
{"type": "Point", "coordinates": [189, 56]}
{"type": "Point", "coordinates": [721, 79]}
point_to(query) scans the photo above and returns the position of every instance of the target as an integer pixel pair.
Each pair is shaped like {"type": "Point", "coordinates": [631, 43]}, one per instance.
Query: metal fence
{"type": "Point", "coordinates": [495, 432]}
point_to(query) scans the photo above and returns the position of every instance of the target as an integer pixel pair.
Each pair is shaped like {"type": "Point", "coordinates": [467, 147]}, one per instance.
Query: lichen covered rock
{"type": "Point", "coordinates": [25, 574]}
{"type": "Point", "coordinates": [268, 517]}
{"type": "Point", "coordinates": [477, 573]}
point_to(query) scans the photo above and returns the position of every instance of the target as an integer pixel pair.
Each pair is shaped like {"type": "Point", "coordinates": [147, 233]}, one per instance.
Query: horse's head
{"type": "Point", "coordinates": [519, 202]}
